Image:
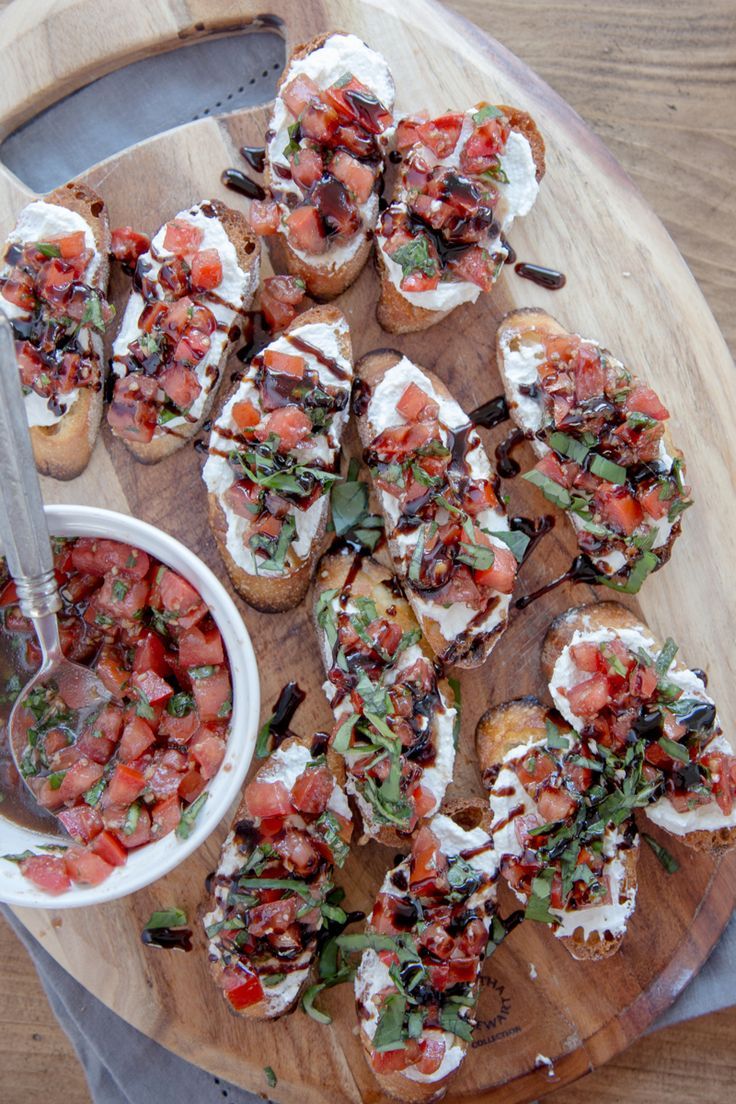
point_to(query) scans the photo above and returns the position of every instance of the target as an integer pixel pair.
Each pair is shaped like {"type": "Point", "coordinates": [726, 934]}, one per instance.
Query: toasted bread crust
{"type": "Point", "coordinates": [395, 313]}
{"type": "Point", "coordinates": [63, 450]}
{"type": "Point", "coordinates": [532, 320]}
{"type": "Point", "coordinates": [247, 247]}
{"type": "Point", "coordinates": [613, 615]}
{"type": "Point", "coordinates": [260, 1011]}
{"type": "Point", "coordinates": [370, 582]}
{"type": "Point", "coordinates": [522, 722]}
{"type": "Point", "coordinates": [323, 281]}
{"type": "Point", "coordinates": [268, 593]}
{"type": "Point", "coordinates": [461, 652]}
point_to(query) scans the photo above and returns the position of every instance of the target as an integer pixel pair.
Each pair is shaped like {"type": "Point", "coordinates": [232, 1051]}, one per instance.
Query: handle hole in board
{"type": "Point", "coordinates": [193, 81]}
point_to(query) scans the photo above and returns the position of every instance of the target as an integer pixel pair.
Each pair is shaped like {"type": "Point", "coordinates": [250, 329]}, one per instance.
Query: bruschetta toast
{"type": "Point", "coordinates": [273, 455]}
{"type": "Point", "coordinates": [325, 147]}
{"type": "Point", "coordinates": [53, 287]}
{"type": "Point", "coordinates": [447, 529]}
{"type": "Point", "coordinates": [183, 317]}
{"type": "Point", "coordinates": [395, 721]}
{"type": "Point", "coordinates": [418, 980]}
{"type": "Point", "coordinates": [568, 859]}
{"type": "Point", "coordinates": [619, 687]}
{"type": "Point", "coordinates": [273, 879]}
{"type": "Point", "coordinates": [601, 436]}
{"type": "Point", "coordinates": [465, 177]}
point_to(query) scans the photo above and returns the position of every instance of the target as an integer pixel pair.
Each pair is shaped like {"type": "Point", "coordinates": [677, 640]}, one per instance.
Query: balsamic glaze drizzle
{"type": "Point", "coordinates": [548, 278]}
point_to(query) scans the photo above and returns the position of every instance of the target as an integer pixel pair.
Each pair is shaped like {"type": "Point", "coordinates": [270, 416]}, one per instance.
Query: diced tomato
{"type": "Point", "coordinates": [109, 848]}
{"type": "Point", "coordinates": [97, 556]}
{"type": "Point", "coordinates": [398, 441]}
{"type": "Point", "coordinates": [245, 415]}
{"type": "Point", "coordinates": [198, 647]}
{"type": "Point", "coordinates": [128, 245]}
{"type": "Point", "coordinates": [206, 271]}
{"type": "Point", "coordinates": [180, 382]}
{"type": "Point", "coordinates": [298, 853]}
{"type": "Point", "coordinates": [356, 176]}
{"type": "Point", "coordinates": [165, 816]}
{"type": "Point", "coordinates": [652, 503]}
{"type": "Point", "coordinates": [618, 508]}
{"type": "Point", "coordinates": [213, 694]}
{"type": "Point", "coordinates": [290, 424]}
{"type": "Point", "coordinates": [209, 751]}
{"type": "Point", "coordinates": [121, 597]}
{"type": "Point", "coordinates": [306, 167]}
{"type": "Point", "coordinates": [305, 231]}
{"type": "Point", "coordinates": [555, 804]}
{"type": "Point", "coordinates": [133, 414]}
{"type": "Point", "coordinates": [433, 1052]}
{"type": "Point", "coordinates": [18, 289]}
{"type": "Point", "coordinates": [111, 672]}
{"type": "Point", "coordinates": [47, 872]}
{"type": "Point", "coordinates": [151, 687]}
{"type": "Point", "coordinates": [152, 315]}
{"type": "Point", "coordinates": [86, 867]}
{"type": "Point", "coordinates": [590, 373]}
{"type": "Point", "coordinates": [588, 657]}
{"type": "Point", "coordinates": [9, 594]}
{"type": "Point", "coordinates": [482, 148]}
{"type": "Point", "coordinates": [427, 861]}
{"type": "Point", "coordinates": [141, 833]}
{"type": "Point", "coordinates": [264, 217]}
{"type": "Point", "coordinates": [298, 93]}
{"type": "Point", "coordinates": [501, 575]}
{"type": "Point", "coordinates": [284, 364]}
{"type": "Point", "coordinates": [319, 121]}
{"type": "Point", "coordinates": [415, 405]}
{"type": "Point", "coordinates": [420, 281]}
{"type": "Point", "coordinates": [275, 916]}
{"type": "Point", "coordinates": [182, 237]}
{"type": "Point", "coordinates": [78, 779]}
{"type": "Point", "coordinates": [441, 134]}
{"type": "Point", "coordinates": [424, 802]}
{"type": "Point", "coordinates": [125, 785]}
{"type": "Point", "coordinates": [643, 682]}
{"type": "Point", "coordinates": [55, 281]}
{"type": "Point", "coordinates": [267, 799]}
{"type": "Point", "coordinates": [646, 401]}
{"type": "Point", "coordinates": [407, 131]}
{"type": "Point", "coordinates": [312, 790]}
{"type": "Point", "coordinates": [150, 655]}
{"type": "Point", "coordinates": [137, 737]}
{"type": "Point", "coordinates": [82, 823]}
{"type": "Point", "coordinates": [247, 993]}
{"type": "Point", "coordinates": [180, 598]}
{"type": "Point", "coordinates": [535, 767]}
{"type": "Point", "coordinates": [191, 786]}
{"type": "Point", "coordinates": [589, 697]}
{"type": "Point", "coordinates": [389, 1061]}
{"type": "Point", "coordinates": [474, 937]}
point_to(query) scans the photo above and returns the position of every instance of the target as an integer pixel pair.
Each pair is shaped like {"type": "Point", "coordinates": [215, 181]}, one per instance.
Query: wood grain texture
{"type": "Point", "coordinates": [623, 237]}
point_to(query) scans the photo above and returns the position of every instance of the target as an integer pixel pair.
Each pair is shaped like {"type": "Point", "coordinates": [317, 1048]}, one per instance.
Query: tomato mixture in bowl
{"type": "Point", "coordinates": [136, 771]}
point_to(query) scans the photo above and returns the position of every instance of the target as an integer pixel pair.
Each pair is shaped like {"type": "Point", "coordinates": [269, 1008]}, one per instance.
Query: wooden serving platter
{"type": "Point", "coordinates": [628, 286]}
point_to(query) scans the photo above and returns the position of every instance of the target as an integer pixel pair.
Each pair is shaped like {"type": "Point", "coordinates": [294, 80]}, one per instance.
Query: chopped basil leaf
{"type": "Point", "coordinates": [166, 918]}
{"type": "Point", "coordinates": [552, 491]}
{"type": "Point", "coordinates": [414, 256]}
{"type": "Point", "coordinates": [565, 445]}
{"type": "Point", "coordinates": [669, 862]}
{"type": "Point", "coordinates": [18, 858]}
{"type": "Point", "coordinates": [452, 1021]}
{"type": "Point", "coordinates": [143, 706]}
{"type": "Point", "coordinates": [180, 705]}
{"type": "Point", "coordinates": [341, 739]}
{"type": "Point", "coordinates": [271, 1078]}
{"type": "Point", "coordinates": [673, 749]}
{"type": "Point", "coordinates": [516, 541]}
{"type": "Point", "coordinates": [204, 671]}
{"type": "Point", "coordinates": [488, 111]}
{"type": "Point", "coordinates": [643, 567]}
{"type": "Point", "coordinates": [665, 657]}
{"type": "Point", "coordinates": [388, 1035]}
{"type": "Point", "coordinates": [606, 469]}
{"type": "Point", "coordinates": [189, 816]}
{"type": "Point", "coordinates": [48, 249]}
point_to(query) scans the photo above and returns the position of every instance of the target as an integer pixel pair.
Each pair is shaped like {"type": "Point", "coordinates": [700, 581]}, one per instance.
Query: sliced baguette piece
{"type": "Point", "coordinates": [706, 827]}
{"type": "Point", "coordinates": [516, 736]}
{"type": "Point", "coordinates": [461, 830]}
{"type": "Point", "coordinates": [62, 449]}
{"type": "Point", "coordinates": [327, 59]}
{"type": "Point", "coordinates": [345, 586]}
{"type": "Point", "coordinates": [325, 330]}
{"type": "Point", "coordinates": [227, 231]}
{"type": "Point", "coordinates": [302, 825]}
{"type": "Point", "coordinates": [459, 634]}
{"type": "Point", "coordinates": [522, 161]}
{"type": "Point", "coordinates": [520, 353]}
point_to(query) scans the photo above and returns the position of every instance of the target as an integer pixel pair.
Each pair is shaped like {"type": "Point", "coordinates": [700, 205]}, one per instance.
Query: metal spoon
{"type": "Point", "coordinates": [28, 554]}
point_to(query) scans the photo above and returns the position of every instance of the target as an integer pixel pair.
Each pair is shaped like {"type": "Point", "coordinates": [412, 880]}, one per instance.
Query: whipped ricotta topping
{"type": "Point", "coordinates": [38, 222]}
{"type": "Point", "coordinates": [454, 618]}
{"type": "Point", "coordinates": [341, 54]}
{"type": "Point", "coordinates": [454, 840]}
{"type": "Point", "coordinates": [218, 474]}
{"type": "Point", "coordinates": [515, 198]}
{"type": "Point", "coordinates": [230, 299]}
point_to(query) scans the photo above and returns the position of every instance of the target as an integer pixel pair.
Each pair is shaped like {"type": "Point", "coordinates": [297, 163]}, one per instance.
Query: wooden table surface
{"type": "Point", "coordinates": [657, 83]}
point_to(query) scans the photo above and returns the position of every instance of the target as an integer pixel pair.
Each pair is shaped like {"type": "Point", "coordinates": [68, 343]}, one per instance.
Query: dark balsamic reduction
{"type": "Point", "coordinates": [168, 939]}
{"type": "Point", "coordinates": [511, 258]}
{"type": "Point", "coordinates": [491, 413]}
{"type": "Point", "coordinates": [361, 398]}
{"type": "Point", "coordinates": [395, 157]}
{"type": "Point", "coordinates": [581, 570]}
{"type": "Point", "coordinates": [548, 278]}
{"type": "Point", "coordinates": [255, 156]}
{"type": "Point", "coordinates": [240, 182]}
{"type": "Point", "coordinates": [506, 467]}
{"type": "Point", "coordinates": [534, 528]}
{"type": "Point", "coordinates": [287, 703]}
{"type": "Point", "coordinates": [312, 350]}
{"type": "Point", "coordinates": [319, 745]}
{"type": "Point", "coordinates": [700, 673]}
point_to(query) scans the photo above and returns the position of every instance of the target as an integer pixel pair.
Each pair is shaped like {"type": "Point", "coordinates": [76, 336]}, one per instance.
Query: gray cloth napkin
{"type": "Point", "coordinates": [125, 1067]}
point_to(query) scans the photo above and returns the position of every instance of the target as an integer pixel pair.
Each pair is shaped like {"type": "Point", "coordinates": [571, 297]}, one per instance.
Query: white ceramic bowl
{"type": "Point", "coordinates": [155, 859]}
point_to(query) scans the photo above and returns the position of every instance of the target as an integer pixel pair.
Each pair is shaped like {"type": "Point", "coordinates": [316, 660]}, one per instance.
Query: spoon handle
{"type": "Point", "coordinates": [25, 535]}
